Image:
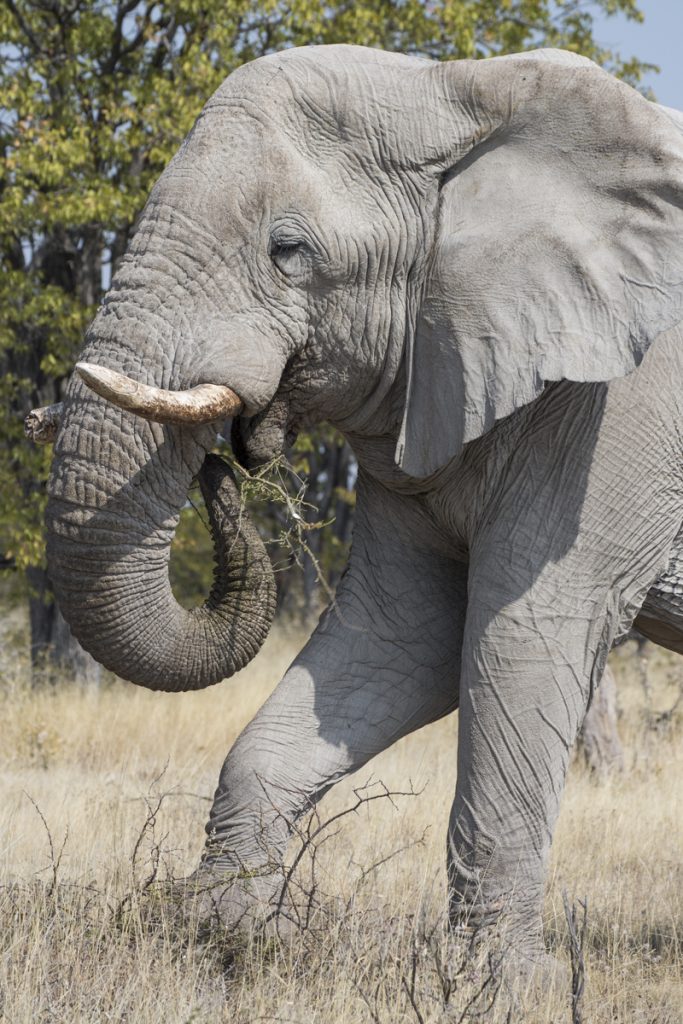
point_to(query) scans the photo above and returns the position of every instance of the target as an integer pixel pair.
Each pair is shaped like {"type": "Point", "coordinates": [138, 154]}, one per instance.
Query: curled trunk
{"type": "Point", "coordinates": [117, 487]}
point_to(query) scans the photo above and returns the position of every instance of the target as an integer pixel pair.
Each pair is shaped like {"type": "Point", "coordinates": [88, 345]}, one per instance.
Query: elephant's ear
{"type": "Point", "coordinates": [558, 246]}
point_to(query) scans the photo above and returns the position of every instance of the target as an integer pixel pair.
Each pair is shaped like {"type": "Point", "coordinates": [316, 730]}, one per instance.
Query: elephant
{"type": "Point", "coordinates": [473, 270]}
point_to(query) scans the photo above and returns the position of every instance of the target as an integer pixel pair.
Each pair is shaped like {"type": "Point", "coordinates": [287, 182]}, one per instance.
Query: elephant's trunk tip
{"type": "Point", "coordinates": [41, 425]}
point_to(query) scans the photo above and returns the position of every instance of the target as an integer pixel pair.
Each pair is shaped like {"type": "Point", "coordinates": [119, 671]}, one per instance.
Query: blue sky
{"type": "Point", "coordinates": [658, 40]}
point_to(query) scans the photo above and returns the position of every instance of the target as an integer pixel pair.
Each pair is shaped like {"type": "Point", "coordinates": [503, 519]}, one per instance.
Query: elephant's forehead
{"type": "Point", "coordinates": [288, 99]}
{"type": "Point", "coordinates": [317, 71]}
{"type": "Point", "coordinates": [235, 169]}
{"type": "Point", "coordinates": [319, 95]}
{"type": "Point", "coordinates": [234, 142]}
{"type": "Point", "coordinates": [280, 134]}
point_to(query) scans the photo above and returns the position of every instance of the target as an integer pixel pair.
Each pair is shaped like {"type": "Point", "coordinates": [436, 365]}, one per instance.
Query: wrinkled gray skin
{"type": "Point", "coordinates": [474, 270]}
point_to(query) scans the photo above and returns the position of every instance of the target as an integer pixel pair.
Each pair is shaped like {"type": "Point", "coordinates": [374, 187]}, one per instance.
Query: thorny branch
{"type": "Point", "coordinates": [147, 831]}
{"type": "Point", "coordinates": [55, 856]}
{"type": "Point", "coordinates": [316, 831]}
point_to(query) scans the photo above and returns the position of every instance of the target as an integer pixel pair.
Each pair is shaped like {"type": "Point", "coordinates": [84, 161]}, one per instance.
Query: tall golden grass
{"type": "Point", "coordinates": [82, 771]}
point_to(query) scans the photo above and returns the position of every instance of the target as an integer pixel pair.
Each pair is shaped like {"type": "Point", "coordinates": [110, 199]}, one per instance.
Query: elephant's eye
{"type": "Point", "coordinates": [289, 255]}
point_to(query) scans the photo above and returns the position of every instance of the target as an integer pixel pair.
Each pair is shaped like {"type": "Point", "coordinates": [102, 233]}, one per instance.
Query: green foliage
{"type": "Point", "coordinates": [95, 97]}
{"type": "Point", "coordinates": [191, 566]}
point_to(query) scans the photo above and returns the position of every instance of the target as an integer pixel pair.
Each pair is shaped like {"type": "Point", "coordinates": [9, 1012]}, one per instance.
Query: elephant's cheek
{"type": "Point", "coordinates": [249, 363]}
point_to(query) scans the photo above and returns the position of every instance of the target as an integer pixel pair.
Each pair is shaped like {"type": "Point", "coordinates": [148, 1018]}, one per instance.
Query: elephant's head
{"type": "Point", "coordinates": [396, 246]}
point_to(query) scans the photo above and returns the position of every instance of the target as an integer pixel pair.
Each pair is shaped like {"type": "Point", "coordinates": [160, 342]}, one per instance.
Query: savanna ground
{"type": "Point", "coordinates": [104, 789]}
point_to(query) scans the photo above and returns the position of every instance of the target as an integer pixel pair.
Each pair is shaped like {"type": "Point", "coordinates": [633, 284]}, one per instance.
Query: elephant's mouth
{"type": "Point", "coordinates": [259, 440]}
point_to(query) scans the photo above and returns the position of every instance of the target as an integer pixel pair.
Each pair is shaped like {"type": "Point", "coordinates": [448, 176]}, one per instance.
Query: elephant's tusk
{"type": "Point", "coordinates": [41, 425]}
{"type": "Point", "coordinates": [205, 403]}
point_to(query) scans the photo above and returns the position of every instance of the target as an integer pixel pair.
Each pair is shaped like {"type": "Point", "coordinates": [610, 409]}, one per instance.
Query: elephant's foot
{"type": "Point", "coordinates": [241, 901]}
{"type": "Point", "coordinates": [507, 948]}
{"type": "Point", "coordinates": [541, 973]}
{"type": "Point", "coordinates": [215, 900]}
{"type": "Point", "coordinates": [502, 981]}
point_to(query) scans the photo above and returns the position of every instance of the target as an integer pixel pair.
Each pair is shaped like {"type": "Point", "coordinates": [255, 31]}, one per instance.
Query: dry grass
{"type": "Point", "coordinates": [89, 764]}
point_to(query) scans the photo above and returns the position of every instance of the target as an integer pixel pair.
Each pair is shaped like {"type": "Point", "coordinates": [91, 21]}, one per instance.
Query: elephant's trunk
{"type": "Point", "coordinates": [117, 487]}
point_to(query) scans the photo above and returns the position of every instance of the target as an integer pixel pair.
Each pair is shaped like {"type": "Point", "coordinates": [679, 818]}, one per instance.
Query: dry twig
{"type": "Point", "coordinates": [577, 945]}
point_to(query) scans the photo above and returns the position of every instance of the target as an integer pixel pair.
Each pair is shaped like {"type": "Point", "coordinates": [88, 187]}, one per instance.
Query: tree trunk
{"type": "Point", "coordinates": [599, 738]}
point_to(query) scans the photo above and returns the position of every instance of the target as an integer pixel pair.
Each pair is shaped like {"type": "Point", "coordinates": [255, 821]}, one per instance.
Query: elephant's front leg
{"type": "Point", "coordinates": [384, 661]}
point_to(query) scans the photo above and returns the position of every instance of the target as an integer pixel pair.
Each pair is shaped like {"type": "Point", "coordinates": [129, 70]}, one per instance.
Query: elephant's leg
{"type": "Point", "coordinates": [526, 677]}
{"type": "Point", "coordinates": [541, 619]}
{"type": "Point", "coordinates": [383, 662]}
{"type": "Point", "coordinates": [574, 533]}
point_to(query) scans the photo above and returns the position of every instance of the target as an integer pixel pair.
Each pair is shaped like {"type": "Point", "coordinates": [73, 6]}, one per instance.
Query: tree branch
{"type": "Point", "coordinates": [16, 13]}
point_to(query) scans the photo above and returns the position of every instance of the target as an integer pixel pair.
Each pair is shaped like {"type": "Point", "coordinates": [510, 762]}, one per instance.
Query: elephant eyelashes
{"type": "Point", "coordinates": [289, 256]}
